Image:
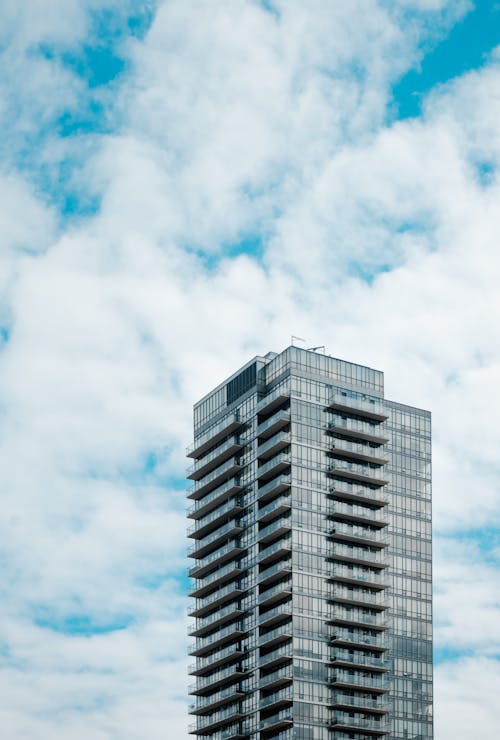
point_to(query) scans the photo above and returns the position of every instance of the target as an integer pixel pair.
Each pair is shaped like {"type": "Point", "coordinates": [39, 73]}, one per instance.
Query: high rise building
{"type": "Point", "coordinates": [311, 555]}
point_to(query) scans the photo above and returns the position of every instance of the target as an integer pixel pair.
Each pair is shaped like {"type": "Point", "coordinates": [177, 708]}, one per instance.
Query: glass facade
{"type": "Point", "coordinates": [311, 556]}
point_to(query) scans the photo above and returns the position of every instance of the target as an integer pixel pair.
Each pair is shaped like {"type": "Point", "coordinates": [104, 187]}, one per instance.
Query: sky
{"type": "Point", "coordinates": [185, 184]}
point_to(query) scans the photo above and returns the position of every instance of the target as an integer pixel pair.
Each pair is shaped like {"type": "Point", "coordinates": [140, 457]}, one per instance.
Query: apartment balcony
{"type": "Point", "coordinates": [277, 550]}
{"type": "Point", "coordinates": [200, 548]}
{"type": "Point", "coordinates": [230, 551]}
{"type": "Point", "coordinates": [215, 600]}
{"type": "Point", "coordinates": [367, 408]}
{"type": "Point", "coordinates": [225, 636]}
{"type": "Point", "coordinates": [276, 722]}
{"type": "Point", "coordinates": [359, 535]}
{"type": "Point", "coordinates": [275, 486]}
{"type": "Point", "coordinates": [344, 448]}
{"type": "Point", "coordinates": [230, 509]}
{"type": "Point", "coordinates": [342, 490]}
{"type": "Point", "coordinates": [361, 702]}
{"type": "Point", "coordinates": [276, 636]}
{"type": "Point", "coordinates": [368, 556]}
{"type": "Point", "coordinates": [274, 616]}
{"type": "Point", "coordinates": [214, 499]}
{"type": "Point", "coordinates": [215, 701]}
{"type": "Point", "coordinates": [217, 720]}
{"type": "Point", "coordinates": [204, 625]}
{"type": "Point", "coordinates": [358, 576]}
{"type": "Point", "coordinates": [229, 425]}
{"type": "Point", "coordinates": [273, 531]}
{"type": "Point", "coordinates": [359, 597]}
{"type": "Point", "coordinates": [218, 679]}
{"type": "Point", "coordinates": [280, 677]}
{"type": "Point", "coordinates": [232, 733]}
{"type": "Point", "coordinates": [345, 470]}
{"type": "Point", "coordinates": [344, 722]}
{"type": "Point", "coordinates": [270, 426]}
{"type": "Point", "coordinates": [224, 657]}
{"type": "Point", "coordinates": [216, 478]}
{"type": "Point", "coordinates": [217, 579]}
{"type": "Point", "coordinates": [272, 401]}
{"type": "Point", "coordinates": [356, 429]}
{"type": "Point", "coordinates": [275, 572]}
{"type": "Point", "coordinates": [230, 448]}
{"type": "Point", "coordinates": [346, 658]}
{"type": "Point", "coordinates": [277, 657]}
{"type": "Point", "coordinates": [362, 514]}
{"type": "Point", "coordinates": [272, 446]}
{"type": "Point", "coordinates": [276, 593]}
{"type": "Point", "coordinates": [357, 618]}
{"type": "Point", "coordinates": [373, 683]}
{"type": "Point", "coordinates": [352, 639]}
{"type": "Point", "coordinates": [275, 508]}
{"type": "Point", "coordinates": [277, 465]}
{"type": "Point", "coordinates": [276, 700]}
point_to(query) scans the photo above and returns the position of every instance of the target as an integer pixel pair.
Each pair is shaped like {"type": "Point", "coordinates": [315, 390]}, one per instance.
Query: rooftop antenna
{"type": "Point", "coordinates": [293, 339]}
{"type": "Point", "coordinates": [315, 349]}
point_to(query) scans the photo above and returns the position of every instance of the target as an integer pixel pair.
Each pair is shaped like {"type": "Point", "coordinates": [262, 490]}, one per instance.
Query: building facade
{"type": "Point", "coordinates": [311, 556]}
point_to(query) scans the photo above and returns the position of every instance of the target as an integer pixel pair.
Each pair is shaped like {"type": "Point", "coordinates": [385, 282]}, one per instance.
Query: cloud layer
{"type": "Point", "coordinates": [241, 179]}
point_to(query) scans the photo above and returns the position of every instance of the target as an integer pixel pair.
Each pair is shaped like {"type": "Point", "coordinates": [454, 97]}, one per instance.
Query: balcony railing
{"type": "Point", "coordinates": [206, 684]}
{"type": "Point", "coordinates": [274, 466]}
{"type": "Point", "coordinates": [357, 616]}
{"type": "Point", "coordinates": [371, 408]}
{"type": "Point", "coordinates": [230, 633]}
{"type": "Point", "coordinates": [213, 459]}
{"type": "Point", "coordinates": [356, 471]}
{"type": "Point", "coordinates": [274, 487]}
{"type": "Point", "coordinates": [277, 635]}
{"type": "Point", "coordinates": [273, 399]}
{"type": "Point", "coordinates": [281, 676]}
{"type": "Point", "coordinates": [275, 593]}
{"type": "Point", "coordinates": [214, 479]}
{"type": "Point", "coordinates": [277, 614]}
{"type": "Point", "coordinates": [276, 722]}
{"type": "Point", "coordinates": [275, 572]}
{"type": "Point", "coordinates": [363, 702]}
{"type": "Point", "coordinates": [227, 593]}
{"type": "Point", "coordinates": [363, 555]}
{"type": "Point", "coordinates": [221, 616]}
{"type": "Point", "coordinates": [359, 534]}
{"type": "Point", "coordinates": [353, 491]}
{"type": "Point", "coordinates": [229, 654]}
{"type": "Point", "coordinates": [279, 655]}
{"type": "Point", "coordinates": [202, 526]}
{"type": "Point", "coordinates": [357, 428]}
{"type": "Point", "coordinates": [359, 637]}
{"type": "Point", "coordinates": [358, 450]}
{"type": "Point", "coordinates": [276, 550]}
{"type": "Point", "coordinates": [359, 513]}
{"type": "Point", "coordinates": [214, 435]}
{"type": "Point", "coordinates": [368, 660]}
{"type": "Point", "coordinates": [272, 425]}
{"type": "Point", "coordinates": [355, 722]}
{"type": "Point", "coordinates": [358, 576]}
{"type": "Point", "coordinates": [208, 704]}
{"type": "Point", "coordinates": [201, 547]}
{"type": "Point", "coordinates": [276, 528]}
{"type": "Point", "coordinates": [371, 682]}
{"type": "Point", "coordinates": [273, 445]}
{"type": "Point", "coordinates": [230, 551]}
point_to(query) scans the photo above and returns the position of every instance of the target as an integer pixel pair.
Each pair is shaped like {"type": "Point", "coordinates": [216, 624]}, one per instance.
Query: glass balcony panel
{"type": "Point", "coordinates": [371, 408]}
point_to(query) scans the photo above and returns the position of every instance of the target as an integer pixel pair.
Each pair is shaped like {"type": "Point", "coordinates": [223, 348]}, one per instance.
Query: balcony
{"type": "Point", "coordinates": [357, 617]}
{"type": "Point", "coordinates": [281, 655]}
{"type": "Point", "coordinates": [281, 677]}
{"type": "Point", "coordinates": [215, 458]}
{"type": "Point", "coordinates": [225, 677]}
{"type": "Point", "coordinates": [272, 425]}
{"type": "Point", "coordinates": [344, 448]}
{"type": "Point", "coordinates": [219, 719]}
{"type": "Point", "coordinates": [275, 615]}
{"type": "Point", "coordinates": [200, 548]}
{"type": "Point", "coordinates": [217, 579]}
{"type": "Point", "coordinates": [216, 478]}
{"type": "Point", "coordinates": [361, 702]}
{"type": "Point", "coordinates": [360, 535]}
{"type": "Point", "coordinates": [374, 683]}
{"type": "Point", "coordinates": [351, 512]}
{"type": "Point", "coordinates": [229, 425]}
{"type": "Point", "coordinates": [367, 556]}
{"type": "Point", "coordinates": [280, 549]}
{"type": "Point", "coordinates": [374, 579]}
{"type": "Point", "coordinates": [209, 704]}
{"type": "Point", "coordinates": [214, 519]}
{"type": "Point", "coordinates": [359, 597]}
{"type": "Point", "coordinates": [349, 491]}
{"type": "Point", "coordinates": [273, 531]}
{"type": "Point", "coordinates": [230, 551]}
{"type": "Point", "coordinates": [227, 655]}
{"type": "Point", "coordinates": [360, 661]}
{"type": "Point", "coordinates": [214, 499]}
{"type": "Point", "coordinates": [354, 723]}
{"type": "Point", "coordinates": [217, 619]}
{"type": "Point", "coordinates": [217, 599]}
{"type": "Point", "coordinates": [278, 464]}
{"type": "Point", "coordinates": [359, 638]}
{"type": "Point", "coordinates": [276, 722]}
{"type": "Point", "coordinates": [272, 401]}
{"type": "Point", "coordinates": [274, 573]}
{"type": "Point", "coordinates": [276, 636]}
{"type": "Point", "coordinates": [272, 446]}
{"type": "Point", "coordinates": [356, 429]}
{"type": "Point", "coordinates": [368, 408]}
{"type": "Point", "coordinates": [276, 593]}
{"type": "Point", "coordinates": [346, 470]}
{"type": "Point", "coordinates": [225, 636]}
{"type": "Point", "coordinates": [275, 486]}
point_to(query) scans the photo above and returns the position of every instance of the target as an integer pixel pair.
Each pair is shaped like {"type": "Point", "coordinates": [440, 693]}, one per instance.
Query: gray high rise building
{"type": "Point", "coordinates": [311, 555]}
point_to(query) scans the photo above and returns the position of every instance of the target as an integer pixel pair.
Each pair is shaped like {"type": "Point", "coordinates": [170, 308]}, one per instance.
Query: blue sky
{"type": "Point", "coordinates": [184, 186]}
